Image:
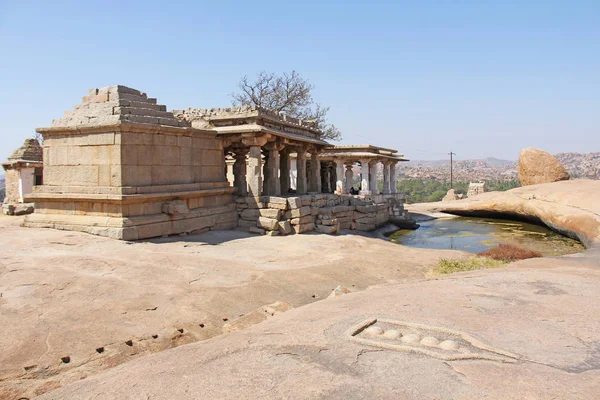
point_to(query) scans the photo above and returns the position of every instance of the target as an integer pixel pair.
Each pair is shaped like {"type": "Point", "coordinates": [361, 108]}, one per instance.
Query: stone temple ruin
{"type": "Point", "coordinates": [121, 165]}
{"type": "Point", "coordinates": [23, 171]}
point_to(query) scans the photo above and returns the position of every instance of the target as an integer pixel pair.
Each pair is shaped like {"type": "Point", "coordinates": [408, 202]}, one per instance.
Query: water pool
{"type": "Point", "coordinates": [479, 234]}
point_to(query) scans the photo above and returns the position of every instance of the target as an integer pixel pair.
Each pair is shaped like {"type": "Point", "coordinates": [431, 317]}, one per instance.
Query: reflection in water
{"type": "Point", "coordinates": [479, 234]}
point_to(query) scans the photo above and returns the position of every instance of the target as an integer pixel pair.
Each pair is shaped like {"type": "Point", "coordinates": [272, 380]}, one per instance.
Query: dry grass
{"type": "Point", "coordinates": [508, 253]}
{"type": "Point", "coordinates": [448, 266]}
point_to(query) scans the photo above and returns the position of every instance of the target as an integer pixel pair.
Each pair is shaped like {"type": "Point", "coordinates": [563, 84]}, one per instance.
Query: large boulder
{"type": "Point", "coordinates": [451, 196]}
{"type": "Point", "coordinates": [536, 166]}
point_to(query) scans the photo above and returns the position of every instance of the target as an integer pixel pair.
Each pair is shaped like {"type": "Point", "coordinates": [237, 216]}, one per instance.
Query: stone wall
{"type": "Point", "coordinates": [131, 159]}
{"type": "Point", "coordinates": [158, 183]}
{"type": "Point", "coordinates": [12, 186]}
{"type": "Point", "coordinates": [325, 213]}
{"type": "Point", "coordinates": [20, 181]}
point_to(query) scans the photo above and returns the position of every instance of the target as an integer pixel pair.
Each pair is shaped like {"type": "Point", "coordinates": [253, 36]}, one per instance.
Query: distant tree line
{"type": "Point", "coordinates": [428, 190]}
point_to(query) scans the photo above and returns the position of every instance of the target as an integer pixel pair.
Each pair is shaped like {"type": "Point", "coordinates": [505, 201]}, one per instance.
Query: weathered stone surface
{"type": "Point", "coordinates": [361, 216]}
{"type": "Point", "coordinates": [297, 213]}
{"type": "Point", "coordinates": [31, 150]}
{"type": "Point", "coordinates": [365, 227]}
{"type": "Point", "coordinates": [270, 213]}
{"type": "Point", "coordinates": [545, 288]}
{"type": "Point", "coordinates": [339, 291]}
{"type": "Point", "coordinates": [536, 166]}
{"type": "Point", "coordinates": [294, 202]}
{"type": "Point", "coordinates": [8, 209]}
{"type": "Point", "coordinates": [302, 220]}
{"type": "Point", "coordinates": [274, 200]}
{"type": "Point", "coordinates": [273, 233]}
{"type": "Point", "coordinates": [175, 207]}
{"type": "Point", "coordinates": [254, 229]}
{"type": "Point", "coordinates": [259, 315]}
{"type": "Point", "coordinates": [451, 196]}
{"type": "Point", "coordinates": [22, 209]}
{"type": "Point", "coordinates": [342, 209]}
{"type": "Point", "coordinates": [242, 223]}
{"type": "Point", "coordinates": [284, 227]}
{"type": "Point", "coordinates": [306, 200]}
{"type": "Point", "coordinates": [325, 211]}
{"type": "Point", "coordinates": [267, 223]}
{"type": "Point", "coordinates": [328, 222]}
{"type": "Point", "coordinates": [366, 209]}
{"type": "Point", "coordinates": [277, 206]}
{"type": "Point", "coordinates": [118, 103]}
{"type": "Point", "coordinates": [511, 327]}
{"type": "Point", "coordinates": [302, 228]}
{"type": "Point", "coordinates": [250, 214]}
{"type": "Point", "coordinates": [252, 205]}
{"type": "Point", "coordinates": [349, 213]}
{"type": "Point", "coordinates": [328, 229]}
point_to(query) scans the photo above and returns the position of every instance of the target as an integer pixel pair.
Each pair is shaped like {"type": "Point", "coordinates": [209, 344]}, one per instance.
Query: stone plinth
{"type": "Point", "coordinates": [119, 165]}
{"type": "Point", "coordinates": [325, 213]}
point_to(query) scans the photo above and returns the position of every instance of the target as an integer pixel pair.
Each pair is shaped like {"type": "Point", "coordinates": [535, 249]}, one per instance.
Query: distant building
{"type": "Point", "coordinates": [23, 172]}
{"type": "Point", "coordinates": [476, 188]}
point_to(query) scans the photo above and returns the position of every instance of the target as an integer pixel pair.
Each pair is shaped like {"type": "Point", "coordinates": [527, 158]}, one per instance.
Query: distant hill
{"type": "Point", "coordinates": [490, 169]}
{"type": "Point", "coordinates": [581, 165]}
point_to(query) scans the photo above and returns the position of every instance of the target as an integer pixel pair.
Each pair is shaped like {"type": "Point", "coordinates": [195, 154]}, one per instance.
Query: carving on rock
{"type": "Point", "coordinates": [442, 343]}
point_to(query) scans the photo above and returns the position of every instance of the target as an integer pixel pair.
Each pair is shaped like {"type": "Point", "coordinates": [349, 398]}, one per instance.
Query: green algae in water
{"type": "Point", "coordinates": [479, 234]}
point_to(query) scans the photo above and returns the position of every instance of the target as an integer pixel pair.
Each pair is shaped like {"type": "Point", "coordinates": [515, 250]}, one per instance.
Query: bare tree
{"type": "Point", "coordinates": [289, 94]}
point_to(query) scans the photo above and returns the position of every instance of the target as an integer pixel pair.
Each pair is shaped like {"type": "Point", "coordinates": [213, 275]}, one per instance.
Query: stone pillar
{"type": "Point", "coordinates": [386, 177]}
{"type": "Point", "coordinates": [373, 177]}
{"type": "Point", "coordinates": [284, 171]}
{"type": "Point", "coordinates": [272, 166]}
{"type": "Point", "coordinates": [339, 175]}
{"type": "Point", "coordinates": [332, 177]}
{"type": "Point", "coordinates": [349, 178]}
{"type": "Point", "coordinates": [393, 178]}
{"type": "Point", "coordinates": [265, 171]}
{"type": "Point", "coordinates": [254, 177]}
{"type": "Point", "coordinates": [365, 176]}
{"type": "Point", "coordinates": [315, 173]}
{"type": "Point", "coordinates": [301, 172]}
{"type": "Point", "coordinates": [239, 173]}
{"type": "Point", "coordinates": [326, 180]}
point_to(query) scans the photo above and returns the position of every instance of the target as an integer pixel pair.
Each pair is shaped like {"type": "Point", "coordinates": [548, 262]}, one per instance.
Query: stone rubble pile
{"type": "Point", "coordinates": [324, 213]}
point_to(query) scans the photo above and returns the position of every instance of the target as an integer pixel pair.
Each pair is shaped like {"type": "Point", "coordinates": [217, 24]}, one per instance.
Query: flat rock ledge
{"type": "Point", "coordinates": [569, 207]}
{"type": "Point", "coordinates": [529, 330]}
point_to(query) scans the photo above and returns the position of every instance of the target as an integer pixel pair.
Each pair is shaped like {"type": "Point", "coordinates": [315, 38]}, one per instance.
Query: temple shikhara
{"type": "Point", "coordinates": [121, 165]}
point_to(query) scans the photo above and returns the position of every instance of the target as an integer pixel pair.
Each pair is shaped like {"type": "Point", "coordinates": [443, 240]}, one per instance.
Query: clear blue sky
{"type": "Point", "coordinates": [481, 78]}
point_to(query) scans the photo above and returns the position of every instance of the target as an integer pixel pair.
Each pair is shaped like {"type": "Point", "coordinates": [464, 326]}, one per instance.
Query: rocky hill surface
{"type": "Point", "coordinates": [579, 166]}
